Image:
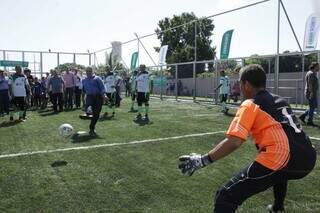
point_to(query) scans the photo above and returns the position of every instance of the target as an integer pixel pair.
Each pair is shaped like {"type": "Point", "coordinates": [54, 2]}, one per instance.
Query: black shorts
{"type": "Point", "coordinates": [143, 97]}
{"type": "Point", "coordinates": [257, 178]}
{"type": "Point", "coordinates": [19, 103]}
{"type": "Point", "coordinates": [223, 97]}
{"type": "Point", "coordinates": [133, 96]}
{"type": "Point", "coordinates": [112, 98]}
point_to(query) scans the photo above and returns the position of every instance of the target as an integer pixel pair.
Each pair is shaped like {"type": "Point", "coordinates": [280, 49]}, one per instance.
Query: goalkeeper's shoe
{"type": "Point", "coordinates": [139, 117]}
{"type": "Point", "coordinates": [271, 210]}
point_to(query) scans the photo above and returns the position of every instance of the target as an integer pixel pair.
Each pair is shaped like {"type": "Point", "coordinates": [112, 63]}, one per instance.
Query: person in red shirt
{"type": "Point", "coordinates": [285, 152]}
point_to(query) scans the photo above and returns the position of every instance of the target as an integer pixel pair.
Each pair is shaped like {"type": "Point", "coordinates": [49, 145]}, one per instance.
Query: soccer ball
{"type": "Point", "coordinates": [65, 130]}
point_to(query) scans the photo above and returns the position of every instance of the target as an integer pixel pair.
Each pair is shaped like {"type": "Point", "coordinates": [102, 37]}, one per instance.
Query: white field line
{"type": "Point", "coordinates": [108, 145]}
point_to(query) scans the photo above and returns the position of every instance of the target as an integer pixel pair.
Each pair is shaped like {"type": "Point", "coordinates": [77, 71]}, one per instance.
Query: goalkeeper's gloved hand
{"type": "Point", "coordinates": [190, 163]}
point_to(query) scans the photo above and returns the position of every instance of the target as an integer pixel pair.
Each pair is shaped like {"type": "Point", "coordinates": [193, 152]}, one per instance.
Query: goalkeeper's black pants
{"type": "Point", "coordinates": [257, 178]}
{"type": "Point", "coordinates": [95, 101]}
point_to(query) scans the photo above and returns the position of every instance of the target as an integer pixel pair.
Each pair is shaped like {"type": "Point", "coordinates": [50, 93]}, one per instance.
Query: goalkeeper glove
{"type": "Point", "coordinates": [190, 163]}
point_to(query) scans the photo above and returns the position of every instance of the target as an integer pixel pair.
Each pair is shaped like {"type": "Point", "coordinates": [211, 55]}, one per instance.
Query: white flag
{"type": "Point", "coordinates": [163, 54]}
{"type": "Point", "coordinates": [312, 32]}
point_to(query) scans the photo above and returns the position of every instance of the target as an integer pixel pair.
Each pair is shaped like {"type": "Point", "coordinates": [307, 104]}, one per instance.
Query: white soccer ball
{"type": "Point", "coordinates": [65, 130]}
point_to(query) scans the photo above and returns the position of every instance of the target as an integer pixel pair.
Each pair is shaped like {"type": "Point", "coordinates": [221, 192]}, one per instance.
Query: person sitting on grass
{"type": "Point", "coordinates": [285, 152]}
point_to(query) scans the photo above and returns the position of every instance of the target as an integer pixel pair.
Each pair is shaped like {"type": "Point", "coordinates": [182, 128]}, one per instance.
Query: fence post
{"type": "Point", "coordinates": [176, 86]}
{"type": "Point", "coordinates": [4, 58]}
{"type": "Point", "coordinates": [161, 83]}
{"type": "Point", "coordinates": [41, 65]}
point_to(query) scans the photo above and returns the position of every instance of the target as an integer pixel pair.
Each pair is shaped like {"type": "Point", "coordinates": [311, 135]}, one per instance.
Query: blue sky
{"type": "Point", "coordinates": [81, 25]}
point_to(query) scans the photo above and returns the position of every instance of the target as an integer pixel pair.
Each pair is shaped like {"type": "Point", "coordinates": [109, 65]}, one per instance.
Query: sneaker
{"type": "Point", "coordinates": [139, 117]}
{"type": "Point", "coordinates": [302, 118]}
{"type": "Point", "coordinates": [92, 133]}
{"type": "Point", "coordinates": [271, 210]}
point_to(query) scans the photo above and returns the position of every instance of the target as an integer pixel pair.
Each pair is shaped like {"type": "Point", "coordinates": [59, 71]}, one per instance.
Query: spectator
{"type": "Point", "coordinates": [180, 87]}
{"type": "Point", "coordinates": [43, 96]}
{"type": "Point", "coordinates": [127, 86]}
{"type": "Point", "coordinates": [118, 92]}
{"type": "Point", "coordinates": [57, 86]}
{"type": "Point", "coordinates": [36, 93]}
{"type": "Point", "coordinates": [311, 92]}
{"type": "Point", "coordinates": [70, 83]}
{"type": "Point", "coordinates": [49, 88]}
{"type": "Point", "coordinates": [95, 96]}
{"type": "Point", "coordinates": [77, 91]}
{"type": "Point", "coordinates": [29, 99]}
{"type": "Point", "coordinates": [4, 93]}
{"type": "Point", "coordinates": [235, 91]}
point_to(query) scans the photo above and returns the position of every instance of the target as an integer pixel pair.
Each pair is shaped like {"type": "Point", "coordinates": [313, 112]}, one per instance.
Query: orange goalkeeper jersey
{"type": "Point", "coordinates": [264, 118]}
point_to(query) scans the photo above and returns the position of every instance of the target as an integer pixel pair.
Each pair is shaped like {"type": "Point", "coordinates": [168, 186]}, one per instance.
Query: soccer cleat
{"type": "Point", "coordinates": [113, 114]}
{"type": "Point", "coordinates": [146, 117]}
{"type": "Point", "coordinates": [92, 133]}
{"type": "Point", "coordinates": [139, 117]}
{"type": "Point", "coordinates": [11, 118]}
{"type": "Point", "coordinates": [271, 210]}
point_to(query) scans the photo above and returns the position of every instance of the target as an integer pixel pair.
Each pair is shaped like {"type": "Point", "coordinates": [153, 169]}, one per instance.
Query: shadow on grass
{"type": "Point", "coordinates": [143, 122]}
{"type": "Point", "coordinates": [106, 118]}
{"type": "Point", "coordinates": [48, 113]}
{"type": "Point", "coordinates": [83, 137]}
{"type": "Point", "coordinates": [133, 111]}
{"type": "Point", "coordinates": [9, 123]}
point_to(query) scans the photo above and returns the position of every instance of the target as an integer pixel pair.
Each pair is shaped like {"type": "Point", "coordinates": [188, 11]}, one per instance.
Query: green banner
{"type": "Point", "coordinates": [225, 44]}
{"type": "Point", "coordinates": [134, 59]}
{"type": "Point", "coordinates": [5, 63]}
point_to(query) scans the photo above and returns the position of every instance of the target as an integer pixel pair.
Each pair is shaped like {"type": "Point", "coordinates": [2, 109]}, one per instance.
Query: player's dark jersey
{"type": "Point", "coordinates": [274, 128]}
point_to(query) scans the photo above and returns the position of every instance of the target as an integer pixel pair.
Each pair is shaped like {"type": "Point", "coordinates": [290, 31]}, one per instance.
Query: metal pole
{"type": "Point", "coordinates": [145, 49]}
{"type": "Point", "coordinates": [22, 55]}
{"type": "Point", "coordinates": [138, 53]}
{"type": "Point", "coordinates": [276, 73]}
{"type": "Point", "coordinates": [194, 64]}
{"type": "Point", "coordinates": [41, 65]}
{"type": "Point", "coordinates": [58, 59]}
{"type": "Point", "coordinates": [302, 89]}
{"type": "Point", "coordinates": [74, 58]}
{"type": "Point", "coordinates": [176, 82]}
{"type": "Point", "coordinates": [294, 33]}
{"type": "Point", "coordinates": [161, 83]}
{"type": "Point", "coordinates": [89, 59]}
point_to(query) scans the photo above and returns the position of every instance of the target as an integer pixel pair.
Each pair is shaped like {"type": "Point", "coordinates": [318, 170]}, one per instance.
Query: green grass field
{"type": "Point", "coordinates": [141, 177]}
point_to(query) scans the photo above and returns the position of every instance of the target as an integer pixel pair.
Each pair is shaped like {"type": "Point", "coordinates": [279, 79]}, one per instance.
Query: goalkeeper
{"type": "Point", "coordinates": [284, 150]}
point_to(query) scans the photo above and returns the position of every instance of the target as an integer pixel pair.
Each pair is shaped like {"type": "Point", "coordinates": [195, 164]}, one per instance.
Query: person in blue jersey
{"type": "Point", "coordinates": [95, 96]}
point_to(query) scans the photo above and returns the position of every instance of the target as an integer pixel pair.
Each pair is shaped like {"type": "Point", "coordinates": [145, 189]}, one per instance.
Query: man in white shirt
{"type": "Point", "coordinates": [19, 88]}
{"type": "Point", "coordinates": [143, 91]}
{"type": "Point", "coordinates": [224, 90]}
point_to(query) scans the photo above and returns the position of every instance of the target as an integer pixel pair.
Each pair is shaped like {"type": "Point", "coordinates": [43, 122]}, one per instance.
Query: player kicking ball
{"type": "Point", "coordinates": [143, 92]}
{"type": "Point", "coordinates": [285, 152]}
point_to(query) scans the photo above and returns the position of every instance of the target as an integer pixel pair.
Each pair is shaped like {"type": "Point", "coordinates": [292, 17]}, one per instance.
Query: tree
{"type": "Point", "coordinates": [181, 40]}
{"type": "Point", "coordinates": [69, 66]}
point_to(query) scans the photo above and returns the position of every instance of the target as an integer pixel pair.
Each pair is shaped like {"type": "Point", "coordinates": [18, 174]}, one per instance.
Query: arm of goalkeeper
{"type": "Point", "coordinates": [188, 164]}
